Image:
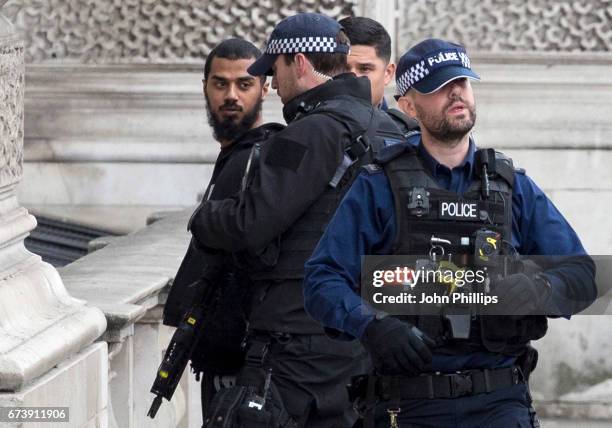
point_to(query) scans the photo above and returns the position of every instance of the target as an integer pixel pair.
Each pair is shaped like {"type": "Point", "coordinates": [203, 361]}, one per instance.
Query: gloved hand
{"type": "Point", "coordinates": [397, 347]}
{"type": "Point", "coordinates": [519, 295]}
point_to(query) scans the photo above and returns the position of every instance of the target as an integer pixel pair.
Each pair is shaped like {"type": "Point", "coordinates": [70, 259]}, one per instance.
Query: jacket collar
{"type": "Point", "coordinates": [343, 84]}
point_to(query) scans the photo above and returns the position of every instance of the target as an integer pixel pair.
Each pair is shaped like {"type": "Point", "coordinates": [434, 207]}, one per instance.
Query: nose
{"type": "Point", "coordinates": [231, 93]}
{"type": "Point", "coordinates": [274, 83]}
{"type": "Point", "coordinates": [455, 88]}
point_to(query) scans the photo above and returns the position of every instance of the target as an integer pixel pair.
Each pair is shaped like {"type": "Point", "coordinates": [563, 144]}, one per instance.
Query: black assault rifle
{"type": "Point", "coordinates": [184, 341]}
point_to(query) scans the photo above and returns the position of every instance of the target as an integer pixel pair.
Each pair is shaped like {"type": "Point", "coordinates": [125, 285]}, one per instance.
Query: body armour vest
{"type": "Point", "coordinates": [299, 241]}
{"type": "Point", "coordinates": [424, 209]}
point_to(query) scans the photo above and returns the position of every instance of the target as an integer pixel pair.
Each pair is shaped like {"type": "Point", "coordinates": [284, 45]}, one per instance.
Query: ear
{"type": "Point", "coordinates": [265, 89]}
{"type": "Point", "coordinates": [389, 73]}
{"type": "Point", "coordinates": [406, 104]}
{"type": "Point", "coordinates": [302, 65]}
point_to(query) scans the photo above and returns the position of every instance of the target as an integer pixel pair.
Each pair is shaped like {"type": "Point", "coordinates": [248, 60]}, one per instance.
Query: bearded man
{"type": "Point", "coordinates": [234, 107]}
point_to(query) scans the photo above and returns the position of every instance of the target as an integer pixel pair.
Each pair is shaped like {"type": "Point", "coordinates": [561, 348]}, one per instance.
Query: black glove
{"type": "Point", "coordinates": [396, 347]}
{"type": "Point", "coordinates": [519, 295]}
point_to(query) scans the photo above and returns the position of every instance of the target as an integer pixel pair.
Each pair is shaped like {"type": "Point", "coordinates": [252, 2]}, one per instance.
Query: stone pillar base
{"type": "Point", "coordinates": [79, 383]}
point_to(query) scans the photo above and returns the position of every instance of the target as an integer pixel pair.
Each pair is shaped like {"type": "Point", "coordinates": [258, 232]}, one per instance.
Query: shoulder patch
{"type": "Point", "coordinates": [285, 153]}
{"type": "Point", "coordinates": [372, 168]}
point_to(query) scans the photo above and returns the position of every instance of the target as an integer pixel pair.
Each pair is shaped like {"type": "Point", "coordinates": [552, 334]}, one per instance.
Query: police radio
{"type": "Point", "coordinates": [485, 167]}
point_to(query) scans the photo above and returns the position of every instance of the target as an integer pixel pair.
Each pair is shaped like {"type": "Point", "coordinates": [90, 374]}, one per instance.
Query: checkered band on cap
{"type": "Point", "coordinates": [411, 76]}
{"type": "Point", "coordinates": [428, 65]}
{"type": "Point", "coordinates": [301, 44]}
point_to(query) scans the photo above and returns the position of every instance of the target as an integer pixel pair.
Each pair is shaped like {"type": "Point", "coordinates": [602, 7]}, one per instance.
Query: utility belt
{"type": "Point", "coordinates": [259, 344]}
{"type": "Point", "coordinates": [366, 391]}
{"type": "Point", "coordinates": [434, 386]}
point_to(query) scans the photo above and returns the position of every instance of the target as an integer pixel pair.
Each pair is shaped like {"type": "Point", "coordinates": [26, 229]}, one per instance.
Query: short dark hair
{"type": "Point", "coordinates": [366, 31]}
{"type": "Point", "coordinates": [331, 64]}
{"type": "Point", "coordinates": [232, 49]}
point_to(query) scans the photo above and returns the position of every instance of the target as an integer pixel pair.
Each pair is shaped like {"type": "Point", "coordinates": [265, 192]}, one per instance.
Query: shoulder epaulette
{"type": "Point", "coordinates": [505, 167]}
{"type": "Point", "coordinates": [391, 152]}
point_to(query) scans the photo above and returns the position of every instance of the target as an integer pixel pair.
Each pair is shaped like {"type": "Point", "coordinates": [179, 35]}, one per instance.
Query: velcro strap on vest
{"type": "Point", "coordinates": [358, 147]}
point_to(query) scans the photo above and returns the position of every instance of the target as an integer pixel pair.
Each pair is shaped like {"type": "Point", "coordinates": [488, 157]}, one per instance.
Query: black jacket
{"type": "Point", "coordinates": [226, 180]}
{"type": "Point", "coordinates": [296, 167]}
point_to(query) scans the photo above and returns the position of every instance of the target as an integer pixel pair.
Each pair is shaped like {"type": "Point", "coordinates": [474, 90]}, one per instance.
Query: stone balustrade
{"type": "Point", "coordinates": [127, 277]}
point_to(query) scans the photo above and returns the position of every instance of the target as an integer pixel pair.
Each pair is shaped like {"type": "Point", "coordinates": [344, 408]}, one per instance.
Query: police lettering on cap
{"type": "Point", "coordinates": [305, 33]}
{"type": "Point", "coordinates": [431, 64]}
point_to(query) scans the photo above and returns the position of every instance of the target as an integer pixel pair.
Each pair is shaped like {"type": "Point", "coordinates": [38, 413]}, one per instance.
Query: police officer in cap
{"type": "Point", "coordinates": [303, 173]}
{"type": "Point", "coordinates": [427, 371]}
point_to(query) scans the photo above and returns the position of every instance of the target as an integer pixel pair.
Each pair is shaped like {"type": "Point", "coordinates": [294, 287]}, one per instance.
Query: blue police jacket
{"type": "Point", "coordinates": [365, 224]}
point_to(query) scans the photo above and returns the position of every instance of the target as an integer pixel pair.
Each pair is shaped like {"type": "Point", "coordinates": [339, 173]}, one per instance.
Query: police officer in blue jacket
{"type": "Point", "coordinates": [426, 376]}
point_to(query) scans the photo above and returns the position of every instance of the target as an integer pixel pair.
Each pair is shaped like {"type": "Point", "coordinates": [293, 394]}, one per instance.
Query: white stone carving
{"type": "Point", "coordinates": [12, 73]}
{"type": "Point", "coordinates": [510, 25]}
{"type": "Point", "coordinates": [150, 31]}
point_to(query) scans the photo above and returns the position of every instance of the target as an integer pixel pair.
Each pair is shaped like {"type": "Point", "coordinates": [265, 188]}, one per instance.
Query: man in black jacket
{"type": "Point", "coordinates": [304, 171]}
{"type": "Point", "coordinates": [233, 104]}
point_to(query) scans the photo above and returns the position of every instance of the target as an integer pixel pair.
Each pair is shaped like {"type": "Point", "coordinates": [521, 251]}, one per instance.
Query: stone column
{"type": "Point", "coordinates": [46, 353]}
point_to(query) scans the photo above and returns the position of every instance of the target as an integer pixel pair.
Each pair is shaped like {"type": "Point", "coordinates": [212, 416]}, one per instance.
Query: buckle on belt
{"type": "Point", "coordinates": [460, 384]}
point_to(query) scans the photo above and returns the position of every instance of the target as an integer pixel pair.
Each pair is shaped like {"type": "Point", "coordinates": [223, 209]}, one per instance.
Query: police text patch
{"type": "Point", "coordinates": [458, 210]}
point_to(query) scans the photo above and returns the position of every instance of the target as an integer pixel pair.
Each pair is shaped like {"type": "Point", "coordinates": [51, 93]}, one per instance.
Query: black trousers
{"type": "Point", "coordinates": [311, 373]}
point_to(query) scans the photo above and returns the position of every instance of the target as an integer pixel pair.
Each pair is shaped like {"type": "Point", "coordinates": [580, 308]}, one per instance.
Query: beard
{"type": "Point", "coordinates": [445, 129]}
{"type": "Point", "coordinates": [228, 129]}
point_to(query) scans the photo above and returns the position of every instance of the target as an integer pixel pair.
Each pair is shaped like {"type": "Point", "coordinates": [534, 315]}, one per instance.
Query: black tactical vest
{"type": "Point", "coordinates": [423, 209]}
{"type": "Point", "coordinates": [300, 240]}
{"type": "Point", "coordinates": [405, 124]}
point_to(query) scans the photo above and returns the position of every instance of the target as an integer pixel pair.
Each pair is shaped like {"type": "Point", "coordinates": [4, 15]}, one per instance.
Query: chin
{"type": "Point", "coordinates": [232, 118]}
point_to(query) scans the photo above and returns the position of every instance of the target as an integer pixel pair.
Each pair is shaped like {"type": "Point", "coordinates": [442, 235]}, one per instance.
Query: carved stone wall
{"type": "Point", "coordinates": [149, 31]}
{"type": "Point", "coordinates": [510, 25]}
{"type": "Point", "coordinates": [12, 73]}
